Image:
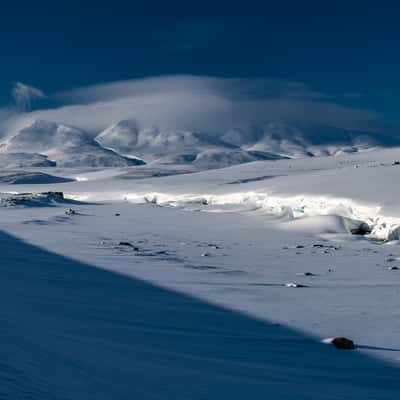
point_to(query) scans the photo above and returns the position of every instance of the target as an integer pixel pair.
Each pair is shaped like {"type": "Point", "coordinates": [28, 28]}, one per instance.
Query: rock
{"type": "Point", "coordinates": [70, 211]}
{"type": "Point", "coordinates": [332, 247]}
{"type": "Point", "coordinates": [305, 274]}
{"type": "Point", "coordinates": [57, 196]}
{"type": "Point", "coordinates": [117, 214]}
{"type": "Point", "coordinates": [362, 229]}
{"type": "Point", "coordinates": [396, 163]}
{"type": "Point", "coordinates": [295, 285]}
{"type": "Point", "coordinates": [127, 244]}
{"type": "Point", "coordinates": [299, 246]}
{"type": "Point", "coordinates": [394, 268]}
{"type": "Point", "coordinates": [341, 343]}
{"type": "Point", "coordinates": [206, 255]}
{"type": "Point", "coordinates": [33, 199]}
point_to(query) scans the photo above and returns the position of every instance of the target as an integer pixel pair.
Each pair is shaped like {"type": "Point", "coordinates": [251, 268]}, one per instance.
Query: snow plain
{"type": "Point", "coordinates": [165, 284]}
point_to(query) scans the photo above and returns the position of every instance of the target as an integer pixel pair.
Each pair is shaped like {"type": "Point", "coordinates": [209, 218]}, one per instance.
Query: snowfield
{"type": "Point", "coordinates": [156, 281]}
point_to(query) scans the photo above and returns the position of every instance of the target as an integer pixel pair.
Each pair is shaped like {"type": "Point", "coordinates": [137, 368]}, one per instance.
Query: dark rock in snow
{"type": "Point", "coordinates": [70, 211]}
{"type": "Point", "coordinates": [127, 244]}
{"type": "Point", "coordinates": [362, 229]}
{"type": "Point", "coordinates": [343, 343]}
{"type": "Point", "coordinates": [295, 285]}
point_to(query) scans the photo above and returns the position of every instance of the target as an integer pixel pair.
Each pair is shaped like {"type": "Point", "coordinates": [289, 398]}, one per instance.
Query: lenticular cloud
{"type": "Point", "coordinates": [191, 103]}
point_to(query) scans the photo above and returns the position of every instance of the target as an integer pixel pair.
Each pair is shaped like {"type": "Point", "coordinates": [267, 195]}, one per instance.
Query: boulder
{"type": "Point", "coordinates": [341, 343]}
{"type": "Point", "coordinates": [362, 229]}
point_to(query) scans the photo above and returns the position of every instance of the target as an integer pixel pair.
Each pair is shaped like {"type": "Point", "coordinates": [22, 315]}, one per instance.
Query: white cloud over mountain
{"type": "Point", "coordinates": [199, 103]}
{"type": "Point", "coordinates": [199, 120]}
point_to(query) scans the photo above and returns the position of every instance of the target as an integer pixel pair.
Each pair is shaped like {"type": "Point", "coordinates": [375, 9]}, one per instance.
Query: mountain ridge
{"type": "Point", "coordinates": [125, 143]}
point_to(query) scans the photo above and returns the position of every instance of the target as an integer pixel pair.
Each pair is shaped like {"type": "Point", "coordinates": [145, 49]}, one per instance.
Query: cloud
{"type": "Point", "coordinates": [24, 94]}
{"type": "Point", "coordinates": [203, 104]}
{"type": "Point", "coordinates": [232, 88]}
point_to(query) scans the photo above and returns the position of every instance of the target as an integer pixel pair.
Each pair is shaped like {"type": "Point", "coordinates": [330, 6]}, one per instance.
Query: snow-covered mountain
{"type": "Point", "coordinates": [44, 143]}
{"type": "Point", "coordinates": [238, 145]}
{"type": "Point", "coordinates": [125, 137]}
{"type": "Point", "coordinates": [309, 141]}
{"type": "Point", "coordinates": [201, 150]}
{"type": "Point", "coordinates": [64, 145]}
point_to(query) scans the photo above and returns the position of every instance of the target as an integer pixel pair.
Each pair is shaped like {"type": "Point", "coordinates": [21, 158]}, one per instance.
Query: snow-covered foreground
{"type": "Point", "coordinates": [195, 302]}
{"type": "Point", "coordinates": [72, 331]}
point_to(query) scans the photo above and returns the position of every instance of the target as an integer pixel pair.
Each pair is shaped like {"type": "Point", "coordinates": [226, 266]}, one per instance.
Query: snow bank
{"type": "Point", "coordinates": [344, 214]}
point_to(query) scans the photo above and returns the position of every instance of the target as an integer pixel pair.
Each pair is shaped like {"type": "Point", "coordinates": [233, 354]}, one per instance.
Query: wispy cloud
{"type": "Point", "coordinates": [24, 95]}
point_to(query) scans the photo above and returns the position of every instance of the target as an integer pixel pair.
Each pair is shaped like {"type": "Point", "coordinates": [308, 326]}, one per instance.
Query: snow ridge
{"type": "Point", "coordinates": [345, 214]}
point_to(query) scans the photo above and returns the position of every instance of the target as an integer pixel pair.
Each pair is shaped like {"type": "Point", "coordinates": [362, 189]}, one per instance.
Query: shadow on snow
{"type": "Point", "coordinates": [72, 331]}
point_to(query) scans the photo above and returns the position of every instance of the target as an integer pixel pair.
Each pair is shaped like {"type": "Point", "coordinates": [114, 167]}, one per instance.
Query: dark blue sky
{"type": "Point", "coordinates": [349, 50]}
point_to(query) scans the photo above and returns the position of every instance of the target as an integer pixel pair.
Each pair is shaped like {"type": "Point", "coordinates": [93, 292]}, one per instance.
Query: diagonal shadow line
{"type": "Point", "coordinates": [69, 330]}
{"type": "Point", "coordinates": [362, 346]}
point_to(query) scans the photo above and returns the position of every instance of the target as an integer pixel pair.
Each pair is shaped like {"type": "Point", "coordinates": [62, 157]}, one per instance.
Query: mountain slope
{"type": "Point", "coordinates": [125, 143]}
{"type": "Point", "coordinates": [274, 140]}
{"type": "Point", "coordinates": [67, 146]}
